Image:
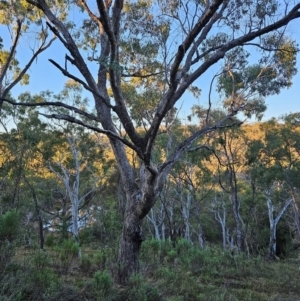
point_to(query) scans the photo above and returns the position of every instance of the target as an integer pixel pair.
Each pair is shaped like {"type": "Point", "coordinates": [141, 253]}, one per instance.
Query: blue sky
{"type": "Point", "coordinates": [45, 76]}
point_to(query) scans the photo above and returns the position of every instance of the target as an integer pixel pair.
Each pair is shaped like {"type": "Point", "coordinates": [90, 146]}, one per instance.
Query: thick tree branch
{"type": "Point", "coordinates": [68, 74]}
{"type": "Point", "coordinates": [50, 103]}
{"type": "Point", "coordinates": [185, 145]}
{"type": "Point", "coordinates": [93, 128]}
{"type": "Point", "coordinates": [103, 9]}
{"type": "Point", "coordinates": [83, 4]}
{"type": "Point", "coordinates": [166, 102]}
{"type": "Point", "coordinates": [293, 14]}
{"type": "Point", "coordinates": [63, 34]}
{"type": "Point", "coordinates": [202, 37]}
{"type": "Point", "coordinates": [183, 48]}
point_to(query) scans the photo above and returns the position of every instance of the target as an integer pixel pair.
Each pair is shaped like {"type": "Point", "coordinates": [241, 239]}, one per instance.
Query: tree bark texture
{"type": "Point", "coordinates": [129, 248]}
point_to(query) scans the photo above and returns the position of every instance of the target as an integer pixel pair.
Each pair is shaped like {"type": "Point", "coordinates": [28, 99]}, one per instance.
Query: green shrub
{"type": "Point", "coordinates": [166, 273]}
{"type": "Point", "coordinates": [50, 240]}
{"type": "Point", "coordinates": [41, 260]}
{"type": "Point", "coordinates": [102, 281]}
{"type": "Point", "coordinates": [68, 251]}
{"type": "Point", "coordinates": [85, 263]}
{"type": "Point", "coordinates": [9, 225]}
{"type": "Point", "coordinates": [86, 235]}
{"type": "Point", "coordinates": [142, 291]}
{"type": "Point", "coordinates": [183, 246]}
{"type": "Point", "coordinates": [42, 277]}
{"type": "Point", "coordinates": [33, 280]}
{"type": "Point", "coordinates": [9, 230]}
{"type": "Point", "coordinates": [102, 258]}
{"type": "Point", "coordinates": [171, 256]}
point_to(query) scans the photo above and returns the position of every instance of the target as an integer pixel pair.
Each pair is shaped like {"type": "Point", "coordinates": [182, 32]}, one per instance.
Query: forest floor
{"type": "Point", "coordinates": [167, 273]}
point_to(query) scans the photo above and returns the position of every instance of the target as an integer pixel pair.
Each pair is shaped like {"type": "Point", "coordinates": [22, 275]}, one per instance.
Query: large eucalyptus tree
{"type": "Point", "coordinates": [139, 58]}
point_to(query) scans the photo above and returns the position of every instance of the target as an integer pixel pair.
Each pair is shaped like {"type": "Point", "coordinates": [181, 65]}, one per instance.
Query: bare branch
{"type": "Point", "coordinates": [271, 49]}
{"type": "Point", "coordinates": [185, 145]}
{"type": "Point", "coordinates": [139, 75]}
{"type": "Point", "coordinates": [12, 52]}
{"type": "Point", "coordinates": [68, 74]}
{"type": "Point", "coordinates": [293, 14]}
{"type": "Point", "coordinates": [50, 103]}
{"type": "Point", "coordinates": [19, 77]}
{"type": "Point", "coordinates": [201, 38]}
{"type": "Point", "coordinates": [90, 13]}
{"type": "Point", "coordinates": [65, 37]}
{"type": "Point", "coordinates": [182, 49]}
{"type": "Point", "coordinates": [93, 128]}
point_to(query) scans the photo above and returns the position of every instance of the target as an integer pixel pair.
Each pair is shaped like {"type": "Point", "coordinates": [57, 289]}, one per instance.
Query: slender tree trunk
{"type": "Point", "coordinates": [296, 215]}
{"type": "Point", "coordinates": [75, 220]}
{"type": "Point", "coordinates": [200, 237]}
{"type": "Point", "coordinates": [153, 220]}
{"type": "Point", "coordinates": [75, 230]}
{"type": "Point", "coordinates": [221, 218]}
{"type": "Point", "coordinates": [38, 213]}
{"type": "Point", "coordinates": [273, 224]}
{"type": "Point", "coordinates": [186, 216]}
{"type": "Point", "coordinates": [272, 244]}
{"type": "Point", "coordinates": [238, 223]}
{"type": "Point", "coordinates": [295, 206]}
{"type": "Point", "coordinates": [41, 232]}
{"type": "Point", "coordinates": [163, 231]}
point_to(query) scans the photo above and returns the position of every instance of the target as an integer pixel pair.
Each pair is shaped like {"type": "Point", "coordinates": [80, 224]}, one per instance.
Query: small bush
{"type": "Point", "coordinates": [85, 264]}
{"type": "Point", "coordinates": [31, 281]}
{"type": "Point", "coordinates": [102, 281]}
{"type": "Point", "coordinates": [42, 278]}
{"type": "Point", "coordinates": [68, 251]}
{"type": "Point", "coordinates": [102, 258]}
{"type": "Point", "coordinates": [9, 228]}
{"type": "Point", "coordinates": [141, 290]}
{"type": "Point", "coordinates": [50, 240]}
{"type": "Point", "coordinates": [86, 235]}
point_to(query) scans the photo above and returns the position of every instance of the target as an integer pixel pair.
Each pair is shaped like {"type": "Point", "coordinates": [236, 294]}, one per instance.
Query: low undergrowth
{"type": "Point", "coordinates": [167, 273]}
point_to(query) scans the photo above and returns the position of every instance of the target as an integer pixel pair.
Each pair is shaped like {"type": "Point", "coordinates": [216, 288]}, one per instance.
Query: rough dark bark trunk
{"type": "Point", "coordinates": [129, 248]}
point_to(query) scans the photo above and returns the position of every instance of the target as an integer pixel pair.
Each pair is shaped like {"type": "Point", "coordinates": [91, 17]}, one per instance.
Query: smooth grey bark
{"type": "Point", "coordinates": [186, 207]}
{"type": "Point", "coordinates": [73, 189]}
{"type": "Point", "coordinates": [295, 205]}
{"type": "Point", "coordinates": [221, 218]}
{"type": "Point", "coordinates": [200, 236]}
{"type": "Point", "coordinates": [273, 224]}
{"type": "Point", "coordinates": [156, 216]}
{"type": "Point", "coordinates": [238, 221]}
